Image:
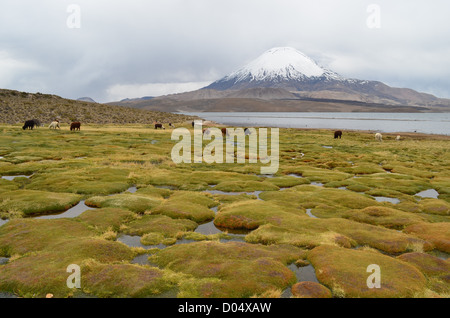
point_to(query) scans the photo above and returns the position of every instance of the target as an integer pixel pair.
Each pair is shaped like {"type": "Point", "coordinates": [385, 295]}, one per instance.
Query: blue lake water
{"type": "Point", "coordinates": [429, 123]}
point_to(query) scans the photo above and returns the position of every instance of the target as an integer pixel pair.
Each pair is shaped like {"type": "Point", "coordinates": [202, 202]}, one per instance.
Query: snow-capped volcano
{"type": "Point", "coordinates": [284, 79]}
{"type": "Point", "coordinates": [276, 68]}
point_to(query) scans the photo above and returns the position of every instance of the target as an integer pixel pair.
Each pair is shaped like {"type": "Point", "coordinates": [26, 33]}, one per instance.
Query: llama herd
{"type": "Point", "coordinates": [30, 124]}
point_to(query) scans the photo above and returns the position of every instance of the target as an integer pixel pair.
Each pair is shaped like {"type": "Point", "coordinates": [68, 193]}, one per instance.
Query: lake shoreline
{"type": "Point", "coordinates": [416, 135]}
{"type": "Point", "coordinates": [433, 124]}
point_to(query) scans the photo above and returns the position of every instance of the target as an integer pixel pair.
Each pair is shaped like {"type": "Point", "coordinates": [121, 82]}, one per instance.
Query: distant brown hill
{"type": "Point", "coordinates": [16, 107]}
{"type": "Point", "coordinates": [273, 100]}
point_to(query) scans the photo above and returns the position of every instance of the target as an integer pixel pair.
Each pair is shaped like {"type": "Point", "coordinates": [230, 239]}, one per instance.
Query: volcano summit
{"type": "Point", "coordinates": [282, 67]}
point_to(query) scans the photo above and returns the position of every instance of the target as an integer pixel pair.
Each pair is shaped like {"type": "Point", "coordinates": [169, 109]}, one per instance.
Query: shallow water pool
{"type": "Point", "coordinates": [386, 199]}
{"type": "Point", "coordinates": [71, 213]}
{"type": "Point", "coordinates": [303, 274]}
{"type": "Point", "coordinates": [308, 211]}
{"type": "Point", "coordinates": [10, 178]}
{"type": "Point", "coordinates": [430, 193]}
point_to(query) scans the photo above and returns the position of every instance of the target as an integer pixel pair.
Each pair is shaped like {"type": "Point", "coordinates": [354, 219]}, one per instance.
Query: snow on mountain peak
{"type": "Point", "coordinates": [281, 63]}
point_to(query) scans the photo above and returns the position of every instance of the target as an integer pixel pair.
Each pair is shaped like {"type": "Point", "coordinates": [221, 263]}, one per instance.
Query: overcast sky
{"type": "Point", "coordinates": [111, 49]}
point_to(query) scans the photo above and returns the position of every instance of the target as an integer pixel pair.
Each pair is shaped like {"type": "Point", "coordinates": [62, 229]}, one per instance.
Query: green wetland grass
{"type": "Point", "coordinates": [334, 207]}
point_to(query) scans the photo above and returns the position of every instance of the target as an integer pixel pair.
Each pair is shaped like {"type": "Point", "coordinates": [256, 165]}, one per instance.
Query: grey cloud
{"type": "Point", "coordinates": [136, 42]}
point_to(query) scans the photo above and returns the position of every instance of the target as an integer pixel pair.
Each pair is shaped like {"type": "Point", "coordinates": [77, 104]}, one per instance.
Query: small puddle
{"type": "Point", "coordinates": [265, 175]}
{"type": "Point", "coordinates": [3, 221]}
{"type": "Point", "coordinates": [71, 213]}
{"type": "Point", "coordinates": [10, 178]}
{"type": "Point", "coordinates": [255, 193]}
{"type": "Point", "coordinates": [342, 188]}
{"type": "Point", "coordinates": [308, 212]}
{"type": "Point", "coordinates": [207, 229]}
{"type": "Point", "coordinates": [3, 260]}
{"type": "Point", "coordinates": [328, 147]}
{"type": "Point", "coordinates": [295, 175]}
{"type": "Point", "coordinates": [169, 187]}
{"type": "Point", "coordinates": [430, 193]}
{"type": "Point", "coordinates": [386, 199]}
{"type": "Point", "coordinates": [135, 241]}
{"type": "Point", "coordinates": [222, 192]}
{"type": "Point", "coordinates": [319, 184]}
{"type": "Point", "coordinates": [236, 233]}
{"type": "Point", "coordinates": [131, 190]}
{"type": "Point", "coordinates": [141, 260]}
{"type": "Point", "coordinates": [303, 274]}
{"type": "Point", "coordinates": [7, 295]}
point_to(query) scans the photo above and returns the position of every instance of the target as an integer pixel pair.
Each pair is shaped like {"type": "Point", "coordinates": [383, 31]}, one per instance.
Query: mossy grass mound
{"type": "Point", "coordinates": [430, 265]}
{"type": "Point", "coordinates": [230, 269]}
{"type": "Point", "coordinates": [106, 218]}
{"type": "Point", "coordinates": [194, 197]}
{"type": "Point", "coordinates": [156, 228]}
{"type": "Point", "coordinates": [37, 274]}
{"type": "Point", "coordinates": [251, 214]}
{"type": "Point", "coordinates": [127, 280]}
{"type": "Point", "coordinates": [310, 290]}
{"type": "Point", "coordinates": [435, 206]}
{"type": "Point", "coordinates": [21, 236]}
{"type": "Point", "coordinates": [6, 186]}
{"type": "Point", "coordinates": [225, 198]}
{"type": "Point", "coordinates": [157, 193]}
{"type": "Point", "coordinates": [344, 271]}
{"type": "Point", "coordinates": [441, 182]}
{"type": "Point", "coordinates": [399, 182]}
{"type": "Point", "coordinates": [287, 181]}
{"type": "Point", "coordinates": [245, 186]}
{"type": "Point", "coordinates": [194, 236]}
{"type": "Point", "coordinates": [129, 201]}
{"type": "Point", "coordinates": [88, 181]}
{"type": "Point", "coordinates": [34, 202]}
{"type": "Point", "coordinates": [187, 205]}
{"type": "Point", "coordinates": [309, 232]}
{"type": "Point", "coordinates": [436, 233]}
{"type": "Point", "coordinates": [384, 216]}
{"type": "Point", "coordinates": [320, 198]}
{"type": "Point", "coordinates": [400, 169]}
